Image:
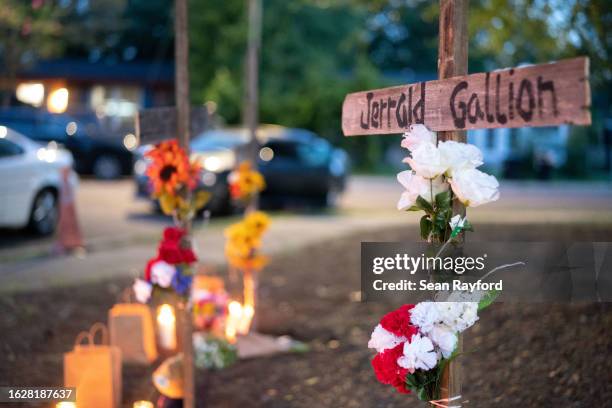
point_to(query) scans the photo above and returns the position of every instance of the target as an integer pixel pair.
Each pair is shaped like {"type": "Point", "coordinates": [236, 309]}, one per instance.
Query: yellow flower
{"type": "Point", "coordinates": [244, 182]}
{"type": "Point", "coordinates": [258, 222]}
{"type": "Point", "coordinates": [244, 240]}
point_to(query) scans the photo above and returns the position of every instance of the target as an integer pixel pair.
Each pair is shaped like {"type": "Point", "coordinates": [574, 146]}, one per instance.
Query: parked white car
{"type": "Point", "coordinates": [30, 182]}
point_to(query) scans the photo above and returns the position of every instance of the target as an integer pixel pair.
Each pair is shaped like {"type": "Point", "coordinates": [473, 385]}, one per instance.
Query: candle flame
{"type": "Point", "coordinates": [143, 404]}
{"type": "Point", "coordinates": [165, 314]}
{"type": "Point", "coordinates": [238, 320]}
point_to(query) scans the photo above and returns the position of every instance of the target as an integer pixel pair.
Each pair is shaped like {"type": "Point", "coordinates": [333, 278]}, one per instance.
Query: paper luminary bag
{"type": "Point", "coordinates": [94, 369]}
{"type": "Point", "coordinates": [132, 331]}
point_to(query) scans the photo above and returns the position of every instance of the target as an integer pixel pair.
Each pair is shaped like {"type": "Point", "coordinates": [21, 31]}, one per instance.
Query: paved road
{"type": "Point", "coordinates": [121, 232]}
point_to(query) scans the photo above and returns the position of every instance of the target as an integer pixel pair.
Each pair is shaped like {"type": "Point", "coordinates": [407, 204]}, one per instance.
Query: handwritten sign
{"type": "Point", "coordinates": [537, 95]}
{"type": "Point", "coordinates": [156, 124]}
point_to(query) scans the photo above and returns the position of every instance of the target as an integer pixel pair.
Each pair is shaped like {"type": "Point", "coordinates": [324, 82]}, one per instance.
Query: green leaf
{"type": "Point", "coordinates": [443, 200]}
{"type": "Point", "coordinates": [424, 205]}
{"type": "Point", "coordinates": [426, 226]}
{"type": "Point", "coordinates": [411, 381]}
{"type": "Point", "coordinates": [488, 299]}
{"type": "Point", "coordinates": [440, 222]}
{"type": "Point", "coordinates": [422, 394]}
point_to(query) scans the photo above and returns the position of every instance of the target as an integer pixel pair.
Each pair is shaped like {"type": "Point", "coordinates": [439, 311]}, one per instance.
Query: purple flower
{"type": "Point", "coordinates": [181, 283]}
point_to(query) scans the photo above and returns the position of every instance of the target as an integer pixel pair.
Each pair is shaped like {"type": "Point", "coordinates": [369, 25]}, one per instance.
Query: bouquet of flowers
{"type": "Point", "coordinates": [209, 310]}
{"type": "Point", "coordinates": [415, 342]}
{"type": "Point", "coordinates": [170, 269]}
{"type": "Point", "coordinates": [441, 173]}
{"type": "Point", "coordinates": [244, 241]}
{"type": "Point", "coordinates": [212, 352]}
{"type": "Point", "coordinates": [245, 182]}
{"type": "Point", "coordinates": [173, 179]}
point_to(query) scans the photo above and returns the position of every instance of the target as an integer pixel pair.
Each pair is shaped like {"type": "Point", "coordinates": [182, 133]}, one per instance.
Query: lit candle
{"type": "Point", "coordinates": [232, 321]}
{"type": "Point", "coordinates": [143, 404]}
{"type": "Point", "coordinates": [166, 327]}
{"type": "Point", "coordinates": [65, 404]}
{"type": "Point", "coordinates": [246, 318]}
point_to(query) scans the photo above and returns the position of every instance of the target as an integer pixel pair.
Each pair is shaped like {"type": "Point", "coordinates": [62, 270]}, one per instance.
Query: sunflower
{"type": "Point", "coordinates": [170, 169]}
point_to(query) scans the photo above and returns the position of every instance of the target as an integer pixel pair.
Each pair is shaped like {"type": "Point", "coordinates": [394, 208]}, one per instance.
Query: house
{"type": "Point", "coordinates": [113, 91]}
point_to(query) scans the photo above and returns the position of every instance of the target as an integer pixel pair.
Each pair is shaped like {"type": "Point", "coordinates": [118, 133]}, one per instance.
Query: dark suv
{"type": "Point", "coordinates": [94, 152]}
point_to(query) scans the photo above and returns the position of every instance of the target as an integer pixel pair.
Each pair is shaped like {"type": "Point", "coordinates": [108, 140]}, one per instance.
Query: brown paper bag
{"type": "Point", "coordinates": [94, 369]}
{"type": "Point", "coordinates": [132, 330]}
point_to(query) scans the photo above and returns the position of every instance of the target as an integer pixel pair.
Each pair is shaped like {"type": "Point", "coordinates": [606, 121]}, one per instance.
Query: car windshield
{"type": "Point", "coordinates": [218, 140]}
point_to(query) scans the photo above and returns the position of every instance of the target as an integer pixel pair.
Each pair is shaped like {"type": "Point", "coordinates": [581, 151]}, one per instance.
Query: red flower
{"type": "Point", "coordinates": [147, 273]}
{"type": "Point", "coordinates": [398, 322]}
{"type": "Point", "coordinates": [171, 250]}
{"type": "Point", "coordinates": [388, 371]}
{"type": "Point", "coordinates": [234, 190]}
{"type": "Point", "coordinates": [174, 234]}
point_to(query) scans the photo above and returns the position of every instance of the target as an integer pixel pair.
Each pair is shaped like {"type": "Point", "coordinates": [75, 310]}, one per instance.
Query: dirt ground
{"type": "Point", "coordinates": [521, 355]}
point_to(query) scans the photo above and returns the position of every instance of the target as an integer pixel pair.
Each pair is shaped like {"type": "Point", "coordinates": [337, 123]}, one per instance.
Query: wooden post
{"type": "Point", "coordinates": [251, 100]}
{"type": "Point", "coordinates": [181, 72]}
{"type": "Point", "coordinates": [453, 61]}
{"type": "Point", "coordinates": [181, 86]}
{"type": "Point", "coordinates": [251, 119]}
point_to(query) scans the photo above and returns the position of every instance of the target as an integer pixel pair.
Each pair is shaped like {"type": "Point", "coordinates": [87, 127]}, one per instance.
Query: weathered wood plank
{"type": "Point", "coordinates": [156, 124]}
{"type": "Point", "coordinates": [538, 95]}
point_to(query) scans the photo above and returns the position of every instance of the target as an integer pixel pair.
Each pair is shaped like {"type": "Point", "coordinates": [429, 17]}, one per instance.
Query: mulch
{"type": "Point", "coordinates": [520, 355]}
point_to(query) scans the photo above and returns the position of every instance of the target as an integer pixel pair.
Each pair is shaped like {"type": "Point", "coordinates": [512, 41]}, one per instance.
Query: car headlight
{"type": "Point", "coordinates": [217, 162]}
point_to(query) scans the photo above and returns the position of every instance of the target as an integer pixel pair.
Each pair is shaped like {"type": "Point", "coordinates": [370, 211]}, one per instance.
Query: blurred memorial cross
{"type": "Point", "coordinates": [157, 124]}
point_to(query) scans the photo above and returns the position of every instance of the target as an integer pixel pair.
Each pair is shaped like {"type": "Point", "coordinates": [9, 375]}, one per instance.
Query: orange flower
{"type": "Point", "coordinates": [244, 182]}
{"type": "Point", "coordinates": [170, 169]}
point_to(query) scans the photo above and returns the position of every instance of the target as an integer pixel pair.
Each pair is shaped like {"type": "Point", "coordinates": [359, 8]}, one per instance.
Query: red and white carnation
{"type": "Point", "coordinates": [142, 290]}
{"type": "Point", "coordinates": [162, 273]}
{"type": "Point", "coordinates": [388, 371]}
{"type": "Point", "coordinates": [382, 339]}
{"type": "Point", "coordinates": [417, 337]}
{"type": "Point", "coordinates": [419, 354]}
{"type": "Point", "coordinates": [444, 338]}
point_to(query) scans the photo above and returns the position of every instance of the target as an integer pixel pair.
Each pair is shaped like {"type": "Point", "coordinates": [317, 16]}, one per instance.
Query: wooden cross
{"type": "Point", "coordinates": [537, 95]}
{"type": "Point", "coordinates": [157, 124]}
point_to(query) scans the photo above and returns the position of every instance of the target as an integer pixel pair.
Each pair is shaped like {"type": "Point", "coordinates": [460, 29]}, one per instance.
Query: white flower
{"type": "Point", "coordinates": [427, 161]}
{"type": "Point", "coordinates": [383, 339]}
{"type": "Point", "coordinates": [418, 186]}
{"type": "Point", "coordinates": [468, 317]}
{"type": "Point", "coordinates": [474, 188]}
{"type": "Point", "coordinates": [162, 273]}
{"type": "Point", "coordinates": [142, 290]}
{"type": "Point", "coordinates": [459, 156]}
{"type": "Point", "coordinates": [424, 315]}
{"type": "Point", "coordinates": [443, 337]}
{"type": "Point", "coordinates": [457, 221]}
{"type": "Point", "coordinates": [458, 316]}
{"type": "Point", "coordinates": [418, 354]}
{"type": "Point", "coordinates": [416, 135]}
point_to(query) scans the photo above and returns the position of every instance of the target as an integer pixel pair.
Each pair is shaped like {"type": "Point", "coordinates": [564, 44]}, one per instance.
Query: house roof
{"type": "Point", "coordinates": [81, 70]}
